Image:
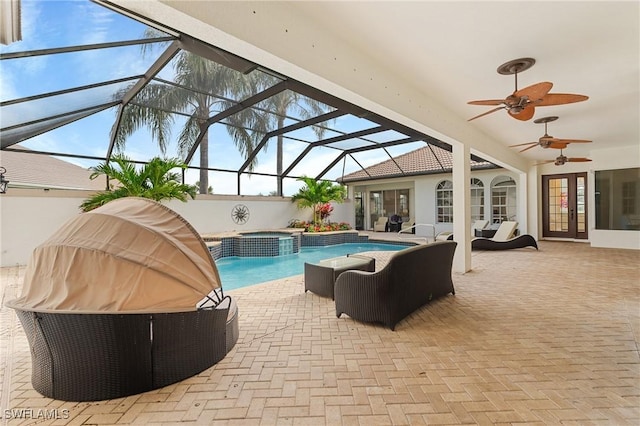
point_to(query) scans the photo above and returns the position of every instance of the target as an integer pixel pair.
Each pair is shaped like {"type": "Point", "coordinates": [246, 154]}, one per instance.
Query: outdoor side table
{"type": "Point", "coordinates": [320, 277]}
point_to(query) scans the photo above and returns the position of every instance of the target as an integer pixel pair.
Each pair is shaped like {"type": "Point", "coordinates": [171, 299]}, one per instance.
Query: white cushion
{"type": "Point", "coordinates": [505, 231]}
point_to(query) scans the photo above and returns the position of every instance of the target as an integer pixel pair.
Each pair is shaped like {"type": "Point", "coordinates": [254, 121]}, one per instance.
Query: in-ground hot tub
{"type": "Point", "coordinates": [266, 243]}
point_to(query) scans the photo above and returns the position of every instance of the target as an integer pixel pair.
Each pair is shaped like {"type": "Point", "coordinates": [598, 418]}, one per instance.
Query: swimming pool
{"type": "Point", "coordinates": [237, 272]}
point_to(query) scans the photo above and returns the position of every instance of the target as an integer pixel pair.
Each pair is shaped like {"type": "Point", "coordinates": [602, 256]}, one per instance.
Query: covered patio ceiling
{"type": "Point", "coordinates": [138, 76]}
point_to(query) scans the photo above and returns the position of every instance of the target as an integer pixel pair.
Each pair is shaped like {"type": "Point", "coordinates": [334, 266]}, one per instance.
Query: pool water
{"type": "Point", "coordinates": [237, 272]}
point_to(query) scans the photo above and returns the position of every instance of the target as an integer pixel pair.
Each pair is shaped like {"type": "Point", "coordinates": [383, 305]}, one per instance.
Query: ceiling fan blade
{"type": "Point", "coordinates": [572, 141]}
{"type": "Point", "coordinates": [523, 144]}
{"type": "Point", "coordinates": [535, 91]}
{"type": "Point", "coordinates": [544, 162]}
{"type": "Point", "coordinates": [487, 102]}
{"type": "Point", "coordinates": [486, 113]}
{"type": "Point", "coordinates": [560, 99]}
{"type": "Point", "coordinates": [578, 159]}
{"type": "Point", "coordinates": [525, 114]}
{"type": "Point", "coordinates": [528, 148]}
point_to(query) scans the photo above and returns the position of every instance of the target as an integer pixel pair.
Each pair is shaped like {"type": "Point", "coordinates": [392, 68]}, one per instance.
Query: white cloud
{"type": "Point", "coordinates": [92, 23]}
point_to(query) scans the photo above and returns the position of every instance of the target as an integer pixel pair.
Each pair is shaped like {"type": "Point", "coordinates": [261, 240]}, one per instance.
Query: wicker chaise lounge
{"type": "Point", "coordinates": [477, 226]}
{"type": "Point", "coordinates": [123, 300]}
{"type": "Point", "coordinates": [504, 239]}
{"type": "Point", "coordinates": [412, 278]}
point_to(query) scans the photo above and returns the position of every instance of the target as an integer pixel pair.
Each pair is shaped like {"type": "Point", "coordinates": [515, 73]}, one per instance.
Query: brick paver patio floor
{"type": "Point", "coordinates": [531, 337]}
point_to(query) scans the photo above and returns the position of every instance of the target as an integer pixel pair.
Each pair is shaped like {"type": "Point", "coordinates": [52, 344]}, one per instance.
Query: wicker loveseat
{"type": "Point", "coordinates": [412, 278]}
{"type": "Point", "coordinates": [122, 300]}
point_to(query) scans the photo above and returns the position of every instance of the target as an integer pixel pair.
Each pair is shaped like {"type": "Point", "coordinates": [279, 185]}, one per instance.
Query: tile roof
{"type": "Point", "coordinates": [27, 170]}
{"type": "Point", "coordinates": [427, 160]}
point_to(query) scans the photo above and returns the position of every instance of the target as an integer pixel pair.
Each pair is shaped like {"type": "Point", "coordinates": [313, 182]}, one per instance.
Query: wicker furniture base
{"type": "Point", "coordinates": [521, 241]}
{"type": "Point", "coordinates": [91, 357]}
{"type": "Point", "coordinates": [412, 278]}
{"type": "Point", "coordinates": [320, 278]}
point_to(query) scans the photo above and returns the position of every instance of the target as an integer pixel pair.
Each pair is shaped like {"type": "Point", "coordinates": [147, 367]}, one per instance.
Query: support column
{"type": "Point", "coordinates": [462, 207]}
{"type": "Point", "coordinates": [534, 203]}
{"type": "Point", "coordinates": [523, 202]}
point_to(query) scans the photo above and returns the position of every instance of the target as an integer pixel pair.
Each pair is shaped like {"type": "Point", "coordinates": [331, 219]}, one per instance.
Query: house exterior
{"type": "Point", "coordinates": [417, 186]}
{"type": "Point", "coordinates": [601, 207]}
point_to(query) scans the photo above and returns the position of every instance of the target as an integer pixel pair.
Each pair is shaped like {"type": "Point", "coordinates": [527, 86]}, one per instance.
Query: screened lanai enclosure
{"type": "Point", "coordinates": [89, 81]}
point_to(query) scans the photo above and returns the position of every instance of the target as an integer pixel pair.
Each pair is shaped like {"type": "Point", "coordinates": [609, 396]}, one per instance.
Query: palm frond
{"type": "Point", "coordinates": [148, 109]}
{"type": "Point", "coordinates": [317, 192]}
{"type": "Point", "coordinates": [189, 135]}
{"type": "Point", "coordinates": [156, 180]}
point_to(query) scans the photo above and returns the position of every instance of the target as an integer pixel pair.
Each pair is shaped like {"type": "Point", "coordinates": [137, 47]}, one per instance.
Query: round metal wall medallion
{"type": "Point", "coordinates": [240, 214]}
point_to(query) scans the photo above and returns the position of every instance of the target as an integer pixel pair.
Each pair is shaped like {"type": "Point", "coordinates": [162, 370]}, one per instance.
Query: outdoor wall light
{"type": "Point", "coordinates": [3, 182]}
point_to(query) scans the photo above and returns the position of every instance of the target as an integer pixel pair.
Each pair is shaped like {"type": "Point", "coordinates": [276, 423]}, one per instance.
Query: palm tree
{"type": "Point", "coordinates": [281, 105]}
{"type": "Point", "coordinates": [154, 180]}
{"type": "Point", "coordinates": [213, 86]}
{"type": "Point", "coordinates": [316, 193]}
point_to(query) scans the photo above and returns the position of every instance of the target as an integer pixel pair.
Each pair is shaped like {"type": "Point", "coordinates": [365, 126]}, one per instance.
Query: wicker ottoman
{"type": "Point", "coordinates": [320, 277]}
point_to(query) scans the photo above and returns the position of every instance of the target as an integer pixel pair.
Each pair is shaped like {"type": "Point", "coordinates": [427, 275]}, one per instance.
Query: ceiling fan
{"type": "Point", "coordinates": [547, 141]}
{"type": "Point", "coordinates": [562, 159]}
{"type": "Point", "coordinates": [522, 102]}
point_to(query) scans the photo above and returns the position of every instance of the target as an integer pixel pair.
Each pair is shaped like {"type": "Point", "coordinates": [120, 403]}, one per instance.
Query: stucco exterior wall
{"type": "Point", "coordinates": [28, 216]}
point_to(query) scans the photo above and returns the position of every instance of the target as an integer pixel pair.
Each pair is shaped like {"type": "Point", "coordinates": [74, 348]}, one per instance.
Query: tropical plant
{"type": "Point", "coordinates": [316, 193]}
{"type": "Point", "coordinates": [324, 211]}
{"type": "Point", "coordinates": [209, 189]}
{"type": "Point", "coordinates": [153, 180]}
{"type": "Point", "coordinates": [309, 226]}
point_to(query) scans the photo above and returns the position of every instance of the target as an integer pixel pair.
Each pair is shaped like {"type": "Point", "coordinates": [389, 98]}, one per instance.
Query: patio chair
{"type": "Point", "coordinates": [412, 278]}
{"type": "Point", "coordinates": [380, 225]}
{"type": "Point", "coordinates": [478, 225]}
{"type": "Point", "coordinates": [395, 223]}
{"type": "Point", "coordinates": [122, 300]}
{"type": "Point", "coordinates": [504, 239]}
{"type": "Point", "coordinates": [407, 222]}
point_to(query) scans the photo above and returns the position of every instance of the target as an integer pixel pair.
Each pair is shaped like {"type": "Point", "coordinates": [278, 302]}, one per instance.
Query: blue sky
{"type": "Point", "coordinates": [53, 23]}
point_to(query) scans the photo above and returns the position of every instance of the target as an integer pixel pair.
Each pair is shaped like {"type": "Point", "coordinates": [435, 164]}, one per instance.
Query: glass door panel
{"type": "Point", "coordinates": [558, 214]}
{"type": "Point", "coordinates": [581, 209]}
{"type": "Point", "coordinates": [375, 206]}
{"type": "Point", "coordinates": [564, 206]}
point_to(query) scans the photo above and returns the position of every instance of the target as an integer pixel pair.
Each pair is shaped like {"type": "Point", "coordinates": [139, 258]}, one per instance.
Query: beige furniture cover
{"type": "Point", "coordinates": [130, 255]}
{"type": "Point", "coordinates": [505, 231]}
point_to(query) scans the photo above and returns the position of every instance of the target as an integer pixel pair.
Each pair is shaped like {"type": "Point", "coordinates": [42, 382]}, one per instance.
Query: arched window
{"type": "Point", "coordinates": [477, 199]}
{"type": "Point", "coordinates": [503, 199]}
{"type": "Point", "coordinates": [444, 202]}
